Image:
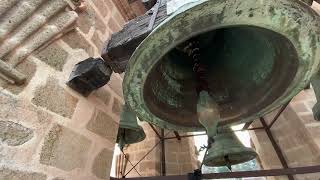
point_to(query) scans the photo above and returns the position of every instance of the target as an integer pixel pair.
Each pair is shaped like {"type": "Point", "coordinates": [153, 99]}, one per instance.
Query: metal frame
{"type": "Point", "coordinates": [286, 171]}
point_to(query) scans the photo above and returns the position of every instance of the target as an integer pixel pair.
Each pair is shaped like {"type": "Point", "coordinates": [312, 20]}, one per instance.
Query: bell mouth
{"type": "Point", "coordinates": [234, 157]}
{"type": "Point", "coordinates": [247, 69]}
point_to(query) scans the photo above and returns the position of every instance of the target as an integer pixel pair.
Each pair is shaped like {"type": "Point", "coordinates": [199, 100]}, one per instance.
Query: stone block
{"type": "Point", "coordinates": [53, 97]}
{"type": "Point", "coordinates": [172, 169]}
{"type": "Point", "coordinates": [100, 25]}
{"type": "Point", "coordinates": [147, 165]}
{"type": "Point", "coordinates": [97, 41]}
{"type": "Point", "coordinates": [307, 118]}
{"type": "Point", "coordinates": [112, 24]}
{"type": "Point", "coordinates": [64, 149]}
{"type": "Point", "coordinates": [86, 19]}
{"type": "Point", "coordinates": [10, 174]}
{"type": "Point", "coordinates": [27, 68]}
{"type": "Point", "coordinates": [101, 6]}
{"type": "Point", "coordinates": [300, 107]}
{"type": "Point", "coordinates": [187, 168]}
{"type": "Point", "coordinates": [102, 164]}
{"type": "Point", "coordinates": [117, 107]}
{"type": "Point", "coordinates": [14, 134]}
{"type": "Point", "coordinates": [103, 125]}
{"type": "Point", "coordinates": [77, 41]}
{"type": "Point", "coordinates": [53, 55]}
{"type": "Point", "coordinates": [103, 94]}
{"type": "Point", "coordinates": [184, 157]}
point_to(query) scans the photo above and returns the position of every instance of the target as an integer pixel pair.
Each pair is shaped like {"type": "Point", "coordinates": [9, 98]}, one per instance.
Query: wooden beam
{"type": "Point", "coordinates": [118, 50]}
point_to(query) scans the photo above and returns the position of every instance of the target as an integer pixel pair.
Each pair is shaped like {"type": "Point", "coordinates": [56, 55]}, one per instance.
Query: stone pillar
{"type": "Point", "coordinates": [48, 131]}
{"type": "Point", "coordinates": [180, 157]}
{"type": "Point", "coordinates": [297, 134]}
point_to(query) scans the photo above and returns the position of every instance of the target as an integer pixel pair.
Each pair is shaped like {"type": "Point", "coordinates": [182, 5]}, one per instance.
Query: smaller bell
{"type": "Point", "coordinates": [129, 131]}
{"type": "Point", "coordinates": [227, 150]}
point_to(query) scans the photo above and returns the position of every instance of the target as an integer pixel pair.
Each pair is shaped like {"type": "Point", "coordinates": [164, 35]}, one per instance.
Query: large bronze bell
{"type": "Point", "coordinates": [257, 57]}
{"type": "Point", "coordinates": [129, 131]}
{"type": "Point", "coordinates": [227, 150]}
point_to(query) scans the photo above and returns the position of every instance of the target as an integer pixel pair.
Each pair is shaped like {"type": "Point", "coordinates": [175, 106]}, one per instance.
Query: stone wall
{"type": "Point", "coordinates": [48, 131]}
{"type": "Point", "coordinates": [296, 132]}
{"type": "Point", "coordinates": [181, 156]}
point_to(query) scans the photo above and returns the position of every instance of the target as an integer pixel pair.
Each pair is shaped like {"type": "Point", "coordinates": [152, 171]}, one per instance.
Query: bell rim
{"type": "Point", "coordinates": [251, 154]}
{"type": "Point", "coordinates": [307, 67]}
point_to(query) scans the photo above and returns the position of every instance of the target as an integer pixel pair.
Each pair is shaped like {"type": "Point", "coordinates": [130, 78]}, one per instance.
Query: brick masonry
{"type": "Point", "coordinates": [181, 155]}
{"type": "Point", "coordinates": [48, 131]}
{"type": "Point", "coordinates": [296, 133]}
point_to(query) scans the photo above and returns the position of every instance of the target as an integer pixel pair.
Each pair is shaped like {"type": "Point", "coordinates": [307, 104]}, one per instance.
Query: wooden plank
{"type": "Point", "coordinates": [118, 50]}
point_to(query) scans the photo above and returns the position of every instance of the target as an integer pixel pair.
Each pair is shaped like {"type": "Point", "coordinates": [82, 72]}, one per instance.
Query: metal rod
{"type": "Point", "coordinates": [163, 154]}
{"type": "Point", "coordinates": [276, 117]}
{"type": "Point", "coordinates": [276, 147]}
{"type": "Point", "coordinates": [146, 155]}
{"type": "Point", "coordinates": [204, 134]}
{"type": "Point", "coordinates": [247, 125]}
{"type": "Point", "coordinates": [127, 158]}
{"type": "Point", "coordinates": [258, 173]}
{"type": "Point", "coordinates": [186, 136]}
{"type": "Point", "coordinates": [154, 129]}
{"type": "Point", "coordinates": [177, 135]}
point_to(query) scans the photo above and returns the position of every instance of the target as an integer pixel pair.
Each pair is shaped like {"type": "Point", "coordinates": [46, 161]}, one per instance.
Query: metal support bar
{"type": "Point", "coordinates": [186, 136]}
{"type": "Point", "coordinates": [276, 117]}
{"type": "Point", "coordinates": [276, 147]}
{"type": "Point", "coordinates": [154, 129]}
{"type": "Point", "coordinates": [258, 173]}
{"type": "Point", "coordinates": [247, 125]}
{"type": "Point", "coordinates": [163, 154]}
{"type": "Point", "coordinates": [177, 135]}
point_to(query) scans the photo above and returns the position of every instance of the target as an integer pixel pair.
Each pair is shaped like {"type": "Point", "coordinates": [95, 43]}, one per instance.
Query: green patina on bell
{"type": "Point", "coordinates": [257, 56]}
{"type": "Point", "coordinates": [129, 131]}
{"type": "Point", "coordinates": [227, 150]}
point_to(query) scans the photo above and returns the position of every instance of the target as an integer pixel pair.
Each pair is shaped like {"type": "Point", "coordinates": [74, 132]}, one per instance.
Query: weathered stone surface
{"type": "Point", "coordinates": [9, 174]}
{"type": "Point", "coordinates": [27, 68]}
{"type": "Point", "coordinates": [104, 95]}
{"type": "Point", "coordinates": [55, 98]}
{"type": "Point", "coordinates": [102, 164]}
{"type": "Point", "coordinates": [14, 134]}
{"type": "Point", "coordinates": [97, 40]}
{"type": "Point", "coordinates": [103, 125]}
{"type": "Point", "coordinates": [76, 41]}
{"type": "Point", "coordinates": [112, 24]}
{"type": "Point", "coordinates": [58, 178]}
{"type": "Point", "coordinates": [64, 149]}
{"type": "Point", "coordinates": [115, 84]}
{"type": "Point", "coordinates": [101, 6]}
{"type": "Point", "coordinates": [86, 19]}
{"type": "Point", "coordinates": [53, 55]}
{"type": "Point", "coordinates": [117, 107]}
